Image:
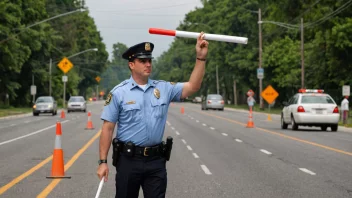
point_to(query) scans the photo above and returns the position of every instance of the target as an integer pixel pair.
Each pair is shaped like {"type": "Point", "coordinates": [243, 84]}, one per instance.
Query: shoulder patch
{"type": "Point", "coordinates": [108, 99]}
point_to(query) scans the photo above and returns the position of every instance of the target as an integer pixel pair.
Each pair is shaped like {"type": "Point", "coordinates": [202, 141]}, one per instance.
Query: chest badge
{"type": "Point", "coordinates": [157, 93]}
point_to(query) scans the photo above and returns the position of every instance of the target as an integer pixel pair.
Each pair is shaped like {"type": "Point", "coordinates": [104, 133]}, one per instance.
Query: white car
{"type": "Point", "coordinates": [310, 107]}
{"type": "Point", "coordinates": [76, 103]}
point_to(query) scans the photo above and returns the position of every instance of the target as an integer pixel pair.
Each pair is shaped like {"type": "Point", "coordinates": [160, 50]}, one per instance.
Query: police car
{"type": "Point", "coordinates": [310, 107]}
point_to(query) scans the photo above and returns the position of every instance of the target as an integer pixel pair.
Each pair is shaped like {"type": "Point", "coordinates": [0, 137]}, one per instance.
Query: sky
{"type": "Point", "coordinates": [128, 21]}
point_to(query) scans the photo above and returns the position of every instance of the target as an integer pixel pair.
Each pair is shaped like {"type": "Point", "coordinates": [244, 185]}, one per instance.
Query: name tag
{"type": "Point", "coordinates": [131, 102]}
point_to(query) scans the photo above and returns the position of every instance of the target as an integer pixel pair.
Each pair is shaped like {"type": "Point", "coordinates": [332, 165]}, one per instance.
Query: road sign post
{"type": "Point", "coordinates": [64, 80]}
{"type": "Point", "coordinates": [65, 65]}
{"type": "Point", "coordinates": [33, 91]}
{"type": "Point", "coordinates": [98, 80]}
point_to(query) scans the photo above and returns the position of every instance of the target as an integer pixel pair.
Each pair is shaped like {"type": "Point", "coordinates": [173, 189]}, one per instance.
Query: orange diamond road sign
{"type": "Point", "coordinates": [65, 65]}
{"type": "Point", "coordinates": [97, 79]}
{"type": "Point", "coordinates": [269, 94]}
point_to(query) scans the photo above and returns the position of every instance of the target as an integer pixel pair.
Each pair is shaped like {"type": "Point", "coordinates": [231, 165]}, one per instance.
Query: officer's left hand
{"type": "Point", "coordinates": [202, 46]}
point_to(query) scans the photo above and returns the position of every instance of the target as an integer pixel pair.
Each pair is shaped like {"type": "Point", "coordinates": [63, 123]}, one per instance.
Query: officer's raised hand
{"type": "Point", "coordinates": [201, 46]}
{"type": "Point", "coordinates": [103, 171]}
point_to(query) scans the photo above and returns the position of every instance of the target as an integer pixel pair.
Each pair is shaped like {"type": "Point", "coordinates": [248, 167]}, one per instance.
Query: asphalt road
{"type": "Point", "coordinates": [214, 155]}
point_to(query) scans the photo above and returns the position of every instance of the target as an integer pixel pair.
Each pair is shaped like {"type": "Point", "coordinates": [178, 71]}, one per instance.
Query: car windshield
{"type": "Point", "coordinates": [44, 99]}
{"type": "Point", "coordinates": [215, 97]}
{"type": "Point", "coordinates": [76, 99]}
{"type": "Point", "coordinates": [316, 99]}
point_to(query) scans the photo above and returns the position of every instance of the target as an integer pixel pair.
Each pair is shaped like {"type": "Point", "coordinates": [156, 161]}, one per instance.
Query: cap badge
{"type": "Point", "coordinates": [147, 47]}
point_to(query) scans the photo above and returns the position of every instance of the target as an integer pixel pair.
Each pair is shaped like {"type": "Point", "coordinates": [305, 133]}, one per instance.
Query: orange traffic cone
{"type": "Point", "coordinates": [89, 123]}
{"type": "Point", "coordinates": [269, 118]}
{"type": "Point", "coordinates": [182, 110]}
{"type": "Point", "coordinates": [62, 114]}
{"type": "Point", "coordinates": [57, 168]}
{"type": "Point", "coordinates": [250, 123]}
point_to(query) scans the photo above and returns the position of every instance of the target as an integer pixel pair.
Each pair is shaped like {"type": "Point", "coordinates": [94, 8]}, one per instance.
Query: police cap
{"type": "Point", "coordinates": [141, 50]}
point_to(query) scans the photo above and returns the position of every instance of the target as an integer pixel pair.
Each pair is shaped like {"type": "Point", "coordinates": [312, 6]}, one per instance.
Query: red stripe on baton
{"type": "Point", "coordinates": [162, 32]}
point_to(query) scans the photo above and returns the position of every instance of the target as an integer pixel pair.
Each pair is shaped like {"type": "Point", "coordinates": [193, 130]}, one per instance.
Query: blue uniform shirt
{"type": "Point", "coordinates": [141, 113]}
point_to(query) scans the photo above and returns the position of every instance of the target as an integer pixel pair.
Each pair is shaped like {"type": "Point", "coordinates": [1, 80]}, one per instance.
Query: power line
{"type": "Point", "coordinates": [151, 8]}
{"type": "Point", "coordinates": [315, 23]}
{"type": "Point", "coordinates": [282, 30]}
{"type": "Point", "coordinates": [330, 15]}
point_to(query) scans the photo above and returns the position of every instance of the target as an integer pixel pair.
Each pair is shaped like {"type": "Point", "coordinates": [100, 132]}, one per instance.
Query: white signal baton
{"type": "Point", "coordinates": [214, 37]}
{"type": "Point", "coordinates": [99, 188]}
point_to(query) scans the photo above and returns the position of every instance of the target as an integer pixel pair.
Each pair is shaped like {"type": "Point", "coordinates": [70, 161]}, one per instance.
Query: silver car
{"type": "Point", "coordinates": [197, 99]}
{"type": "Point", "coordinates": [76, 103]}
{"type": "Point", "coordinates": [213, 101]}
{"type": "Point", "coordinates": [45, 104]}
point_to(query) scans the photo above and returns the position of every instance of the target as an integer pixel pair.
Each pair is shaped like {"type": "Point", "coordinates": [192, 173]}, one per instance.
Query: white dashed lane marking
{"type": "Point", "coordinates": [307, 171]}
{"type": "Point", "coordinates": [205, 169]}
{"type": "Point", "coordinates": [212, 128]}
{"type": "Point", "coordinates": [195, 155]}
{"type": "Point", "coordinates": [265, 151]}
{"type": "Point", "coordinates": [36, 132]}
{"type": "Point", "coordinates": [224, 134]}
{"type": "Point", "coordinates": [238, 140]}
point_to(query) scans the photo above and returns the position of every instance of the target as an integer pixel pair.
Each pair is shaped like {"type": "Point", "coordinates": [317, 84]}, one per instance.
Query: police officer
{"type": "Point", "coordinates": [139, 106]}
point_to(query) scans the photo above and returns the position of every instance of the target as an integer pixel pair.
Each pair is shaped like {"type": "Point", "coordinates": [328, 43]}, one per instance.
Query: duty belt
{"type": "Point", "coordinates": [146, 151]}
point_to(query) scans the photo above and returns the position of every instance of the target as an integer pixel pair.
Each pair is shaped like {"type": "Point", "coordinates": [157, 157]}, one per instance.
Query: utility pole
{"type": "Point", "coordinates": [260, 58]}
{"type": "Point", "coordinates": [64, 96]}
{"type": "Point", "coordinates": [97, 95]}
{"type": "Point", "coordinates": [302, 55]}
{"type": "Point", "coordinates": [235, 92]}
{"type": "Point", "coordinates": [33, 84]}
{"type": "Point", "coordinates": [50, 77]}
{"type": "Point", "coordinates": [217, 80]}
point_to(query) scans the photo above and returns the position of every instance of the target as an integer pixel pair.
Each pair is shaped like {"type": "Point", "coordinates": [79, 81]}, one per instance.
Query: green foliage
{"type": "Point", "coordinates": [117, 70]}
{"type": "Point", "coordinates": [26, 52]}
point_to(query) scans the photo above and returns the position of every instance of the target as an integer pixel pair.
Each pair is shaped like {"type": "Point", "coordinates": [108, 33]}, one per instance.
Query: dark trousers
{"type": "Point", "coordinates": [136, 171]}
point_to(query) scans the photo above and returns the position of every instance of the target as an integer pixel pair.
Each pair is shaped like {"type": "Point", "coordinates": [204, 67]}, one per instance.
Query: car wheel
{"type": "Point", "coordinates": [334, 127]}
{"type": "Point", "coordinates": [68, 111]}
{"type": "Point", "coordinates": [294, 124]}
{"type": "Point", "coordinates": [323, 128]}
{"type": "Point", "coordinates": [283, 124]}
{"type": "Point", "coordinates": [84, 111]}
{"type": "Point", "coordinates": [221, 109]}
{"type": "Point", "coordinates": [53, 113]}
{"type": "Point", "coordinates": [35, 114]}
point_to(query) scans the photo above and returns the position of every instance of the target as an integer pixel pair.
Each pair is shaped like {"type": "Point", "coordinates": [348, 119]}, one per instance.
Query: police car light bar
{"type": "Point", "coordinates": [311, 91]}
{"type": "Point", "coordinates": [214, 37]}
